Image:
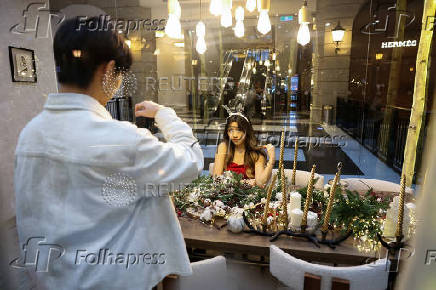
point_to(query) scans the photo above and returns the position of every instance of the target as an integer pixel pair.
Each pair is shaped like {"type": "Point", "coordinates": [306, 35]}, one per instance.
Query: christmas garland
{"type": "Point", "coordinates": [227, 194]}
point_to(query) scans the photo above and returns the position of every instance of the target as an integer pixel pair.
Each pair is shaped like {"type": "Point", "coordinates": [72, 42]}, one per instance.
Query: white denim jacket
{"type": "Point", "coordinates": [89, 212]}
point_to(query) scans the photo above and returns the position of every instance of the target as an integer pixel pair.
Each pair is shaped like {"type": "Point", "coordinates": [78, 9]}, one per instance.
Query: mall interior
{"type": "Point", "coordinates": [344, 77]}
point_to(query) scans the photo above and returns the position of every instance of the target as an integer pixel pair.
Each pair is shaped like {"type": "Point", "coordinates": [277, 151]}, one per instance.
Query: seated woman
{"type": "Point", "coordinates": [240, 153]}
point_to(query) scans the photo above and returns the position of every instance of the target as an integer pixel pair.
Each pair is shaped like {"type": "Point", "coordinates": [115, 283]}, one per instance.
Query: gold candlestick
{"type": "Point", "coordinates": [399, 231]}
{"type": "Point", "coordinates": [274, 225]}
{"type": "Point", "coordinates": [284, 199]}
{"type": "Point", "coordinates": [294, 169]}
{"type": "Point", "coordinates": [282, 150]}
{"type": "Point", "coordinates": [325, 225]}
{"type": "Point", "coordinates": [308, 198]}
{"type": "Point", "coordinates": [268, 198]}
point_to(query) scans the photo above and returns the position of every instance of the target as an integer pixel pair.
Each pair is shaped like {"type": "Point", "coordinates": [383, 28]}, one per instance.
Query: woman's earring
{"type": "Point", "coordinates": [128, 85]}
{"type": "Point", "coordinates": [110, 83]}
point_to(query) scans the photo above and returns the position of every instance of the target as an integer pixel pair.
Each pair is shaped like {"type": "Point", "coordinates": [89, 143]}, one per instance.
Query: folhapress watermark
{"type": "Point", "coordinates": [430, 257]}
{"type": "Point", "coordinates": [389, 26]}
{"type": "Point", "coordinates": [38, 254]}
{"type": "Point", "coordinates": [37, 19]}
{"type": "Point", "coordinates": [106, 23]}
{"type": "Point", "coordinates": [107, 257]}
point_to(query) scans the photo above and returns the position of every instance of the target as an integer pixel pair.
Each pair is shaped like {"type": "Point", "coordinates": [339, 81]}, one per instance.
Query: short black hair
{"type": "Point", "coordinates": [80, 49]}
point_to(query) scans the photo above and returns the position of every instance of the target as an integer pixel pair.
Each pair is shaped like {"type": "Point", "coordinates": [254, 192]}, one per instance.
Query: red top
{"type": "Point", "coordinates": [238, 168]}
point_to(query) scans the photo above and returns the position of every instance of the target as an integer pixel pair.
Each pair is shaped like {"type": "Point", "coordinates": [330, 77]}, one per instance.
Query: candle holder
{"type": "Point", "coordinates": [395, 246]}
{"type": "Point", "coordinates": [392, 246]}
{"type": "Point", "coordinates": [334, 242]}
{"type": "Point", "coordinates": [312, 237]}
{"type": "Point", "coordinates": [252, 230]}
{"type": "Point", "coordinates": [302, 234]}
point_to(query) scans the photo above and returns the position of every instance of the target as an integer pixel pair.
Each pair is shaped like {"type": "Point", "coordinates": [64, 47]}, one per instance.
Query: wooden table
{"type": "Point", "coordinates": [199, 235]}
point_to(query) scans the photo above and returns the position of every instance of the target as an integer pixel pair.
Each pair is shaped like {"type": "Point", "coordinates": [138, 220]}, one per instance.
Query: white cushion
{"type": "Point", "coordinates": [363, 185]}
{"type": "Point", "coordinates": [301, 178]}
{"type": "Point", "coordinates": [290, 271]}
{"type": "Point", "coordinates": [210, 274]}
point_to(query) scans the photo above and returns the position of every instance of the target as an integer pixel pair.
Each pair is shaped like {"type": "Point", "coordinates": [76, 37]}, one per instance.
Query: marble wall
{"type": "Point", "coordinates": [20, 102]}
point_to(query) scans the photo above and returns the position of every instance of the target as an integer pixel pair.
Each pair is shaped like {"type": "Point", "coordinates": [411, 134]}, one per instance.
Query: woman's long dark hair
{"type": "Point", "coordinates": [252, 150]}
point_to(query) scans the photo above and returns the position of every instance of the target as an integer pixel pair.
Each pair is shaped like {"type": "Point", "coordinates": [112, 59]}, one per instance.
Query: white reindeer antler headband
{"type": "Point", "coordinates": [237, 113]}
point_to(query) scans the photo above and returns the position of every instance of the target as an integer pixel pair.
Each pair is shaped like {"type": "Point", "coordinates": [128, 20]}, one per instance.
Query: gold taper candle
{"type": "Point", "coordinates": [308, 196]}
{"type": "Point", "coordinates": [294, 169]}
{"type": "Point", "coordinates": [285, 220]}
{"type": "Point", "coordinates": [274, 226]}
{"type": "Point", "coordinates": [268, 198]}
{"type": "Point", "coordinates": [282, 150]}
{"type": "Point", "coordinates": [399, 231]}
{"type": "Point", "coordinates": [325, 225]}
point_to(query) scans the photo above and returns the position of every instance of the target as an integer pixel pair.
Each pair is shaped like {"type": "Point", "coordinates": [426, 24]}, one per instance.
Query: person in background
{"type": "Point", "coordinates": [96, 189]}
{"type": "Point", "coordinates": [253, 104]}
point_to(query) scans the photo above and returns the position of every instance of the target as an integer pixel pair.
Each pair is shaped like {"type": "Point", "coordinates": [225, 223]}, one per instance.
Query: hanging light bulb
{"type": "Point", "coordinates": [200, 29]}
{"type": "Point", "coordinates": [303, 14]}
{"type": "Point", "coordinates": [254, 70]}
{"type": "Point", "coordinates": [201, 45]}
{"type": "Point", "coordinates": [267, 63]}
{"type": "Point", "coordinates": [173, 28]}
{"type": "Point", "coordinates": [226, 18]}
{"type": "Point", "coordinates": [260, 62]}
{"type": "Point", "coordinates": [264, 24]}
{"type": "Point", "coordinates": [239, 13]}
{"type": "Point", "coordinates": [226, 15]}
{"type": "Point", "coordinates": [277, 68]}
{"type": "Point", "coordinates": [177, 9]}
{"type": "Point", "coordinates": [239, 27]}
{"type": "Point", "coordinates": [216, 7]}
{"type": "Point", "coordinates": [250, 5]}
{"type": "Point", "coordinates": [303, 36]}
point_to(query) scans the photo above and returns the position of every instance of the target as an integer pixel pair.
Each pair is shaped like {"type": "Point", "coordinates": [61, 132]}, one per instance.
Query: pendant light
{"type": "Point", "coordinates": [239, 27]}
{"type": "Point", "coordinates": [250, 5]}
{"type": "Point", "coordinates": [226, 16]}
{"type": "Point", "coordinates": [216, 7]}
{"type": "Point", "coordinates": [200, 31]}
{"type": "Point", "coordinates": [303, 36]}
{"type": "Point", "coordinates": [264, 23]}
{"type": "Point", "coordinates": [173, 27]}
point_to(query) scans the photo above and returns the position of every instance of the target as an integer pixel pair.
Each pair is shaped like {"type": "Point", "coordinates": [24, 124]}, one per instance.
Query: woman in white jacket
{"type": "Point", "coordinates": [91, 192]}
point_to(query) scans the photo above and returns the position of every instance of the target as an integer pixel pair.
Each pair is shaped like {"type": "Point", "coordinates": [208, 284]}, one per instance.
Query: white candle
{"type": "Point", "coordinates": [295, 200]}
{"type": "Point", "coordinates": [312, 219]}
{"type": "Point", "coordinates": [296, 217]}
{"type": "Point", "coordinates": [389, 228]}
{"type": "Point", "coordinates": [389, 225]}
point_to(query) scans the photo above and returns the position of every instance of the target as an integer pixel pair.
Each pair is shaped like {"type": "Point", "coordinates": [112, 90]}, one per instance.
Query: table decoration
{"type": "Point", "coordinates": [226, 200]}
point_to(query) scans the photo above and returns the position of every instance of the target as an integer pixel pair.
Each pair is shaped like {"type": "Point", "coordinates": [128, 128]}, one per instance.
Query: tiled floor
{"type": "Point", "coordinates": [322, 145]}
